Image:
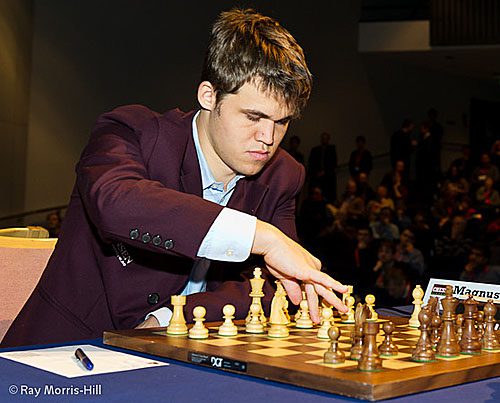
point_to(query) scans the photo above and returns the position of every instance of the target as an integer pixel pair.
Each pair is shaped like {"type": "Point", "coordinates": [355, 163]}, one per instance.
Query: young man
{"type": "Point", "coordinates": [148, 216]}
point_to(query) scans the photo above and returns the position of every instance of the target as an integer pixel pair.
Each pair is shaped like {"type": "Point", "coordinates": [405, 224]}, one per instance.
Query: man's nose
{"type": "Point", "coordinates": [266, 131]}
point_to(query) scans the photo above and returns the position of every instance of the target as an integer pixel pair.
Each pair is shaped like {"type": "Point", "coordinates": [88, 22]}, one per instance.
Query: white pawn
{"type": "Point", "coordinates": [254, 325]}
{"type": "Point", "coordinates": [305, 321]}
{"type": "Point", "coordinates": [418, 295]}
{"type": "Point", "coordinates": [199, 331]}
{"type": "Point", "coordinates": [228, 328]}
{"type": "Point", "coordinates": [326, 322]}
{"type": "Point", "coordinates": [349, 316]}
{"type": "Point", "coordinates": [298, 313]}
{"type": "Point", "coordinates": [370, 302]}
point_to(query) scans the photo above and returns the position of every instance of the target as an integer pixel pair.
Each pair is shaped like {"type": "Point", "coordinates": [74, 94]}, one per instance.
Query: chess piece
{"type": "Point", "coordinates": [199, 331]}
{"type": "Point", "coordinates": [255, 324]}
{"type": "Point", "coordinates": [418, 295]}
{"type": "Point", "coordinates": [370, 302]}
{"type": "Point", "coordinates": [299, 312]}
{"type": "Point", "coordinates": [387, 347]}
{"type": "Point", "coordinates": [459, 322]}
{"type": "Point", "coordinates": [334, 355]}
{"type": "Point", "coordinates": [435, 329]}
{"type": "Point", "coordinates": [448, 345]}
{"type": "Point", "coordinates": [228, 328]}
{"type": "Point", "coordinates": [470, 342]}
{"type": "Point", "coordinates": [278, 321]}
{"type": "Point", "coordinates": [370, 358]}
{"type": "Point", "coordinates": [480, 324]}
{"type": "Point", "coordinates": [257, 284]}
{"type": "Point", "coordinates": [326, 322]}
{"type": "Point", "coordinates": [349, 316]}
{"type": "Point", "coordinates": [423, 351]}
{"type": "Point", "coordinates": [305, 321]}
{"type": "Point", "coordinates": [490, 339]}
{"type": "Point", "coordinates": [362, 313]}
{"type": "Point", "coordinates": [177, 325]}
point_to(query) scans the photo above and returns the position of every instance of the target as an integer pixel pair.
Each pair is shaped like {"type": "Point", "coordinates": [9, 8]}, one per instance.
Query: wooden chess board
{"type": "Point", "coordinates": [298, 360]}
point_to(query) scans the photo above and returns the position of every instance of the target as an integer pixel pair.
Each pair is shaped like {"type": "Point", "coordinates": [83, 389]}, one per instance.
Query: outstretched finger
{"type": "Point", "coordinates": [331, 298]}
{"type": "Point", "coordinates": [312, 302]}
{"type": "Point", "coordinates": [293, 290]}
{"type": "Point", "coordinates": [319, 278]}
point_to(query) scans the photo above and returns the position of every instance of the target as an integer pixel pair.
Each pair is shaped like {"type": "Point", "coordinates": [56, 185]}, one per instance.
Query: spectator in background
{"type": "Point", "coordinates": [487, 198]}
{"type": "Point", "coordinates": [484, 170]}
{"type": "Point", "coordinates": [407, 253]}
{"type": "Point", "coordinates": [385, 228]}
{"type": "Point", "coordinates": [361, 160]}
{"type": "Point", "coordinates": [53, 223]}
{"type": "Point", "coordinates": [397, 287]}
{"type": "Point", "coordinates": [365, 191]}
{"type": "Point", "coordinates": [477, 268]}
{"type": "Point", "coordinates": [401, 145]}
{"type": "Point", "coordinates": [464, 163]}
{"type": "Point", "coordinates": [427, 163]}
{"type": "Point", "coordinates": [364, 259]}
{"type": "Point", "coordinates": [293, 149]}
{"type": "Point", "coordinates": [352, 207]}
{"type": "Point", "coordinates": [323, 168]}
{"type": "Point", "coordinates": [455, 182]}
{"type": "Point", "coordinates": [385, 260]}
{"type": "Point", "coordinates": [396, 182]}
{"type": "Point", "coordinates": [402, 220]}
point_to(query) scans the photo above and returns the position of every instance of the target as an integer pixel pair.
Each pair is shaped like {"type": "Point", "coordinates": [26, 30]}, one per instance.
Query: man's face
{"type": "Point", "coordinates": [244, 131]}
{"type": "Point", "coordinates": [385, 254]}
{"type": "Point", "coordinates": [477, 258]}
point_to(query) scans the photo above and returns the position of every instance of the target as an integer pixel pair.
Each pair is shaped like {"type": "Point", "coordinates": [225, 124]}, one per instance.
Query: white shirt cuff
{"type": "Point", "coordinates": [230, 237]}
{"type": "Point", "coordinates": [163, 315]}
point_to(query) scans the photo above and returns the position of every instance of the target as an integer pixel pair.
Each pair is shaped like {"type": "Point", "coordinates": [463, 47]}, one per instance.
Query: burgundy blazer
{"type": "Point", "coordinates": [134, 224]}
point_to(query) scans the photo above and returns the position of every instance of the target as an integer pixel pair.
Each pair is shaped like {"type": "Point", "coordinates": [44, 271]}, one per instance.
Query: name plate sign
{"type": "Point", "coordinates": [461, 290]}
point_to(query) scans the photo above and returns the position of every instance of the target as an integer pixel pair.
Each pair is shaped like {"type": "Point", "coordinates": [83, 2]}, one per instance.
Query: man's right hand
{"type": "Point", "coordinates": [292, 265]}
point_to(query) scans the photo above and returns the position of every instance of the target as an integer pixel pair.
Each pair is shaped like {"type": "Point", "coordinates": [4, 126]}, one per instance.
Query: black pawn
{"type": "Point", "coordinates": [334, 355]}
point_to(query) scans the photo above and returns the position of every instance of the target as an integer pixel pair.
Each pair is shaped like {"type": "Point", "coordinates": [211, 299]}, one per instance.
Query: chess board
{"type": "Point", "coordinates": [298, 360]}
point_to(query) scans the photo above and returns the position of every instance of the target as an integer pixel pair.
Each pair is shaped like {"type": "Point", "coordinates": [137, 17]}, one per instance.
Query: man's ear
{"type": "Point", "coordinates": [207, 96]}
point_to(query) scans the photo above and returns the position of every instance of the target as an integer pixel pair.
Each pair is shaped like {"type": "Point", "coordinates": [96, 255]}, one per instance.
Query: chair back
{"type": "Point", "coordinates": [25, 232]}
{"type": "Point", "coordinates": [22, 262]}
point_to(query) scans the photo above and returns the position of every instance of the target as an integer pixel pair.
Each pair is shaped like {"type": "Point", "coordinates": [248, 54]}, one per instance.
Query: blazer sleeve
{"type": "Point", "coordinates": [121, 199]}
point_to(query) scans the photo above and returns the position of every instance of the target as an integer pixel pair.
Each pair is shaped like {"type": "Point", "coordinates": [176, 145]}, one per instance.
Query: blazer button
{"type": "Point", "coordinates": [157, 240]}
{"type": "Point", "coordinates": [169, 244]}
{"type": "Point", "coordinates": [134, 233]}
{"type": "Point", "coordinates": [146, 237]}
{"type": "Point", "coordinates": [153, 298]}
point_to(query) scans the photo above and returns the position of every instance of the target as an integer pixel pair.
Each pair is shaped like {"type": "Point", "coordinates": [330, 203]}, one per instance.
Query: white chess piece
{"type": "Point", "coordinates": [370, 302]}
{"type": "Point", "coordinates": [349, 316]}
{"type": "Point", "coordinates": [326, 322]}
{"type": "Point", "coordinates": [254, 325]}
{"type": "Point", "coordinates": [228, 328]}
{"type": "Point", "coordinates": [418, 295]}
{"type": "Point", "coordinates": [177, 324]}
{"type": "Point", "coordinates": [199, 331]}
{"type": "Point", "coordinates": [305, 321]}
{"type": "Point", "coordinates": [278, 320]}
{"type": "Point", "coordinates": [257, 284]}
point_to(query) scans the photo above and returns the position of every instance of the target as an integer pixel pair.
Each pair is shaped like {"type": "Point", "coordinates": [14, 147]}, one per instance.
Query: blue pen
{"type": "Point", "coordinates": [82, 357]}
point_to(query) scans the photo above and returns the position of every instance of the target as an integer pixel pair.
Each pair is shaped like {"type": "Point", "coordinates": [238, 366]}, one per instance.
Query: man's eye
{"type": "Point", "coordinates": [282, 122]}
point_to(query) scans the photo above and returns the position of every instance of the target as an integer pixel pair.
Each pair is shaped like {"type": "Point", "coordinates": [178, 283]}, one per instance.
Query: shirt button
{"type": "Point", "coordinates": [146, 237]}
{"type": "Point", "coordinates": [229, 253]}
{"type": "Point", "coordinates": [153, 298]}
{"type": "Point", "coordinates": [134, 233]}
{"type": "Point", "coordinates": [169, 244]}
{"type": "Point", "coordinates": [157, 240]}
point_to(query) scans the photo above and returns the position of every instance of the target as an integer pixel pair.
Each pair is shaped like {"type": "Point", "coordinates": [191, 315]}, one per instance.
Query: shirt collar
{"type": "Point", "coordinates": [207, 178]}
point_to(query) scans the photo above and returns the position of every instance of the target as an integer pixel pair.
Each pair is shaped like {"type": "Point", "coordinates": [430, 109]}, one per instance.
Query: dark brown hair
{"type": "Point", "coordinates": [246, 46]}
